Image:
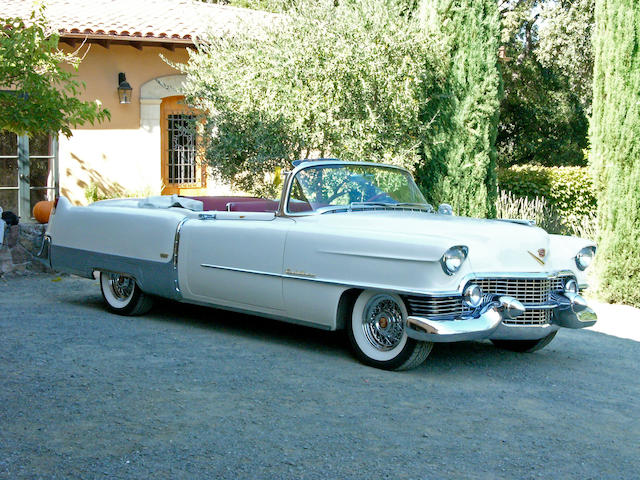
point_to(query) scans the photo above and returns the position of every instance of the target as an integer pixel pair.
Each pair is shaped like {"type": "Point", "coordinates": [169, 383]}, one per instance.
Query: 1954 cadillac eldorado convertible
{"type": "Point", "coordinates": [350, 246]}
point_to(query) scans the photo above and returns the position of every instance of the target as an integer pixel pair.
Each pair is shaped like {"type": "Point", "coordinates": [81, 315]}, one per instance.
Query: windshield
{"type": "Point", "coordinates": [333, 187]}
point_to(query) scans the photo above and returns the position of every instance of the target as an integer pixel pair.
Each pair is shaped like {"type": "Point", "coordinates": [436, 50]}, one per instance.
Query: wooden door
{"type": "Point", "coordinates": [183, 168]}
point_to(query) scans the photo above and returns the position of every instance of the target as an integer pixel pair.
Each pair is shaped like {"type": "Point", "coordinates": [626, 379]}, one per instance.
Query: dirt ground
{"type": "Point", "coordinates": [189, 392]}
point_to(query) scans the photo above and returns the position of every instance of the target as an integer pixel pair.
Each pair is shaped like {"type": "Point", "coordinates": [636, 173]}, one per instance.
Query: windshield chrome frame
{"type": "Point", "coordinates": [283, 208]}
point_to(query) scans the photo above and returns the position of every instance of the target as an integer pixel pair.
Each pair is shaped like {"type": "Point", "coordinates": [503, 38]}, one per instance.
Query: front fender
{"type": "Point", "coordinates": [563, 250]}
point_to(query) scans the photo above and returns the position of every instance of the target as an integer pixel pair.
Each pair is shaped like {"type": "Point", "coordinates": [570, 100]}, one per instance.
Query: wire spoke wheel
{"type": "Point", "coordinates": [382, 322]}
{"type": "Point", "coordinates": [121, 286]}
{"type": "Point", "coordinates": [377, 332]}
{"type": "Point", "coordinates": [122, 294]}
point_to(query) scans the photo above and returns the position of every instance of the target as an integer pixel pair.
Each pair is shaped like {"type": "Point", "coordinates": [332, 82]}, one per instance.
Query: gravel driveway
{"type": "Point", "coordinates": [190, 392]}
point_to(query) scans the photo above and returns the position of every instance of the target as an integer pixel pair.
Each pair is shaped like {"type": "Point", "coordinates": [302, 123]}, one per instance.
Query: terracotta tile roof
{"type": "Point", "coordinates": [179, 21]}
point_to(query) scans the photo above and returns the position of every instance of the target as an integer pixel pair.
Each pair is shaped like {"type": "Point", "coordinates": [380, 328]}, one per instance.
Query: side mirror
{"type": "Point", "coordinates": [445, 209]}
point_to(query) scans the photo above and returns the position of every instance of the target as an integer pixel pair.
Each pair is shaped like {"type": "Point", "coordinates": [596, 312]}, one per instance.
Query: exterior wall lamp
{"type": "Point", "coordinates": [124, 89]}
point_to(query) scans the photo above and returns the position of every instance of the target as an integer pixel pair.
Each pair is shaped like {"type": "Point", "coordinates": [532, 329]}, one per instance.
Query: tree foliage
{"type": "Point", "coordinates": [355, 81]}
{"type": "Point", "coordinates": [358, 80]}
{"type": "Point", "coordinates": [543, 117]}
{"type": "Point", "coordinates": [565, 44]}
{"type": "Point", "coordinates": [460, 157]}
{"type": "Point", "coordinates": [36, 95]}
{"type": "Point", "coordinates": [615, 154]}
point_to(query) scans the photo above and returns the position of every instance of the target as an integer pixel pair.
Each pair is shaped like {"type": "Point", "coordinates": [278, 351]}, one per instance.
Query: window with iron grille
{"type": "Point", "coordinates": [28, 171]}
{"type": "Point", "coordinates": [182, 148]}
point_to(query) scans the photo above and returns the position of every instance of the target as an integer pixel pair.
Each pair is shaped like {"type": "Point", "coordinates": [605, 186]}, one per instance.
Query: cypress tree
{"type": "Point", "coordinates": [615, 142]}
{"type": "Point", "coordinates": [460, 159]}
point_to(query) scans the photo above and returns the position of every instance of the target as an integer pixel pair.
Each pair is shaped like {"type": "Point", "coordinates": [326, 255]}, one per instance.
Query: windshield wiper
{"type": "Point", "coordinates": [370, 204]}
{"type": "Point", "coordinates": [424, 206]}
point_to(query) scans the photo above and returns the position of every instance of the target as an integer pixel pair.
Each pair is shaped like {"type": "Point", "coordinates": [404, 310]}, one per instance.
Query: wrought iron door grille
{"type": "Point", "coordinates": [182, 148]}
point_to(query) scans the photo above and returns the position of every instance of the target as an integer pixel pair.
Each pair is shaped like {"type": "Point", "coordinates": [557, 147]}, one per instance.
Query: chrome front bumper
{"type": "Point", "coordinates": [571, 312]}
{"type": "Point", "coordinates": [428, 330]}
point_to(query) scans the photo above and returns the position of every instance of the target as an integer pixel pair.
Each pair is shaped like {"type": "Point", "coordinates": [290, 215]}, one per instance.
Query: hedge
{"type": "Point", "coordinates": [568, 190]}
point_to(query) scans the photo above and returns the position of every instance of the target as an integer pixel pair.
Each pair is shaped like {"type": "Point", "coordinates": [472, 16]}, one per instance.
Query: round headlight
{"type": "Point", "coordinates": [473, 295]}
{"type": "Point", "coordinates": [571, 286]}
{"type": "Point", "coordinates": [453, 258]}
{"type": "Point", "coordinates": [585, 257]}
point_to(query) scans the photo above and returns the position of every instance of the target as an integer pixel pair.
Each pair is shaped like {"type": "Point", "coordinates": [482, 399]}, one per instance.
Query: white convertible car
{"type": "Point", "coordinates": [350, 246]}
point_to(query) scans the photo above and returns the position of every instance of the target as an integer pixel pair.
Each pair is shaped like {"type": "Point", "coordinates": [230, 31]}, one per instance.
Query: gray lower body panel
{"type": "Point", "coordinates": [155, 278]}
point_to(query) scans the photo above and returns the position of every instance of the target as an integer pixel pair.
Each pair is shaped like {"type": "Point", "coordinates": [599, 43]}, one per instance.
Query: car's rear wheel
{"type": "Point", "coordinates": [527, 346]}
{"type": "Point", "coordinates": [377, 333]}
{"type": "Point", "coordinates": [122, 294]}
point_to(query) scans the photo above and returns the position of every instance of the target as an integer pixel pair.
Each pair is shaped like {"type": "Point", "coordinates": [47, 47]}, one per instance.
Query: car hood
{"type": "Point", "coordinates": [493, 244]}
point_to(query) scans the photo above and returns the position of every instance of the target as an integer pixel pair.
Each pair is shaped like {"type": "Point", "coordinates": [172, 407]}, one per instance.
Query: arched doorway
{"type": "Point", "coordinates": [183, 170]}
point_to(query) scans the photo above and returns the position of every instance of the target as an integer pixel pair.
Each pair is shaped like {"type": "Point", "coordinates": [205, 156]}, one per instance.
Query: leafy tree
{"type": "Point", "coordinates": [541, 121]}
{"type": "Point", "coordinates": [565, 44]}
{"type": "Point", "coordinates": [543, 117]}
{"type": "Point", "coordinates": [615, 154]}
{"type": "Point", "coordinates": [36, 95]}
{"type": "Point", "coordinates": [460, 158]}
{"type": "Point", "coordinates": [356, 81]}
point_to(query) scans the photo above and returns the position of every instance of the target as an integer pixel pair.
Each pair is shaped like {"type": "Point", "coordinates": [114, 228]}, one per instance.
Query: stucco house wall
{"type": "Point", "coordinates": [123, 153]}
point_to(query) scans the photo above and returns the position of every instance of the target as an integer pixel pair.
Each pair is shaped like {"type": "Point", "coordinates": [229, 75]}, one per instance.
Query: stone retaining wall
{"type": "Point", "coordinates": [20, 245]}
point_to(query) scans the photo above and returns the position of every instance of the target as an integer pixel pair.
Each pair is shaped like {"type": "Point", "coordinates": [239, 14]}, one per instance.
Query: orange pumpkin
{"type": "Point", "coordinates": [42, 211]}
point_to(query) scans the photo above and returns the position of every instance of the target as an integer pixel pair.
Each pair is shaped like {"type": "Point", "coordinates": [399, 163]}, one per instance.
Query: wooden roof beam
{"type": "Point", "coordinates": [103, 42]}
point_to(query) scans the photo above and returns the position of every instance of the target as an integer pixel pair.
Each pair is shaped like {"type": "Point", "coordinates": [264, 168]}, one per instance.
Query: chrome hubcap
{"type": "Point", "coordinates": [121, 286]}
{"type": "Point", "coordinates": [382, 322]}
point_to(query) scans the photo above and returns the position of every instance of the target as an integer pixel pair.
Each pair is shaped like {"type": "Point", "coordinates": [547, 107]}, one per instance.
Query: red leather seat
{"type": "Point", "coordinates": [237, 204]}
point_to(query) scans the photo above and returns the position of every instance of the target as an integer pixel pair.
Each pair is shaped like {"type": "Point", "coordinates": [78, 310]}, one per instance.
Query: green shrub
{"type": "Point", "coordinates": [96, 192]}
{"type": "Point", "coordinates": [511, 206]}
{"type": "Point", "coordinates": [615, 148]}
{"type": "Point", "coordinates": [568, 190]}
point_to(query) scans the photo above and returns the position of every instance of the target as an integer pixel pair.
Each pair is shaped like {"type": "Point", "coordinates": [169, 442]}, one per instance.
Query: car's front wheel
{"type": "Point", "coordinates": [524, 345]}
{"type": "Point", "coordinates": [377, 333]}
{"type": "Point", "coordinates": [122, 294]}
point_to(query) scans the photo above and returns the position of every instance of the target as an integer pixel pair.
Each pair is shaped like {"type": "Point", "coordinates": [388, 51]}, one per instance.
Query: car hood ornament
{"type": "Point", "coordinates": [539, 255]}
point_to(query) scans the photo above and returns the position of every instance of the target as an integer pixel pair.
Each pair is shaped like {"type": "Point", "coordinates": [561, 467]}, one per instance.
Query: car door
{"type": "Point", "coordinates": [234, 260]}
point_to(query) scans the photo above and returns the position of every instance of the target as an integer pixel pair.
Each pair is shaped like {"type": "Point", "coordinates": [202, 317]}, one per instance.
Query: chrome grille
{"type": "Point", "coordinates": [529, 291]}
{"type": "Point", "coordinates": [435, 307]}
{"type": "Point", "coordinates": [530, 318]}
{"type": "Point", "coordinates": [525, 290]}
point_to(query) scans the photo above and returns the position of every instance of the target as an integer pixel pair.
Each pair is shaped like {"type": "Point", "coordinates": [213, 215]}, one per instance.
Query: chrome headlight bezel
{"type": "Point", "coordinates": [453, 258]}
{"type": "Point", "coordinates": [584, 257]}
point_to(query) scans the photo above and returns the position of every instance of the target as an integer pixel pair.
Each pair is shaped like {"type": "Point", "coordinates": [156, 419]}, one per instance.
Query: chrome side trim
{"type": "Point", "coordinates": [241, 270]}
{"type": "Point", "coordinates": [44, 254]}
{"type": "Point", "coordinates": [176, 248]}
{"type": "Point", "coordinates": [176, 242]}
{"type": "Point", "coordinates": [364, 286]}
{"type": "Point", "coordinates": [373, 286]}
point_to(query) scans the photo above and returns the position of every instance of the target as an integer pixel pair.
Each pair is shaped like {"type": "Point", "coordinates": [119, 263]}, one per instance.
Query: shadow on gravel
{"type": "Point", "coordinates": [250, 326]}
{"type": "Point", "coordinates": [465, 357]}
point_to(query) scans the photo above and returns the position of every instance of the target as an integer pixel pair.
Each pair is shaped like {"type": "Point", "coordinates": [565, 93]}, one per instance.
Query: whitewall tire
{"type": "Point", "coordinates": [377, 334]}
{"type": "Point", "coordinates": [122, 294]}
